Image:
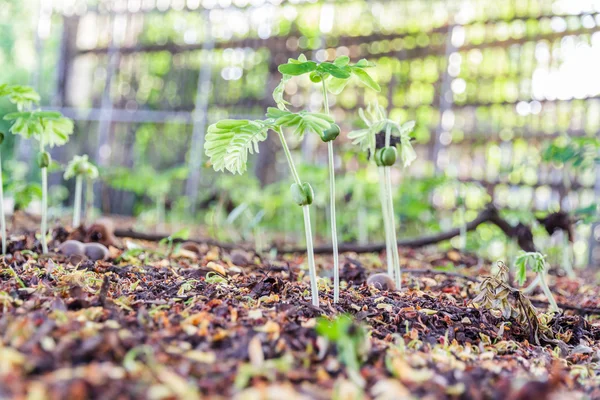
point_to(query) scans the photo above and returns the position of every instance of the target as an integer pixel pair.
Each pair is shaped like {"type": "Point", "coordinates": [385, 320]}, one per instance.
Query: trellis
{"type": "Point", "coordinates": [436, 59]}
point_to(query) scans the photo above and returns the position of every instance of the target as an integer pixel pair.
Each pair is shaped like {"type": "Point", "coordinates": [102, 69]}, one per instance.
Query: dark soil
{"type": "Point", "coordinates": [144, 325]}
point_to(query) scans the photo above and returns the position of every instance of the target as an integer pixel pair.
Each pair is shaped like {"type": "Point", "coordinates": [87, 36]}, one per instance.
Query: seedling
{"type": "Point", "coordinates": [80, 168]}
{"type": "Point", "coordinates": [49, 128]}
{"type": "Point", "coordinates": [537, 263]}
{"type": "Point", "coordinates": [333, 77]}
{"type": "Point", "coordinates": [377, 122]}
{"type": "Point", "coordinates": [351, 340]}
{"type": "Point", "coordinates": [573, 154]}
{"type": "Point", "coordinates": [228, 143]}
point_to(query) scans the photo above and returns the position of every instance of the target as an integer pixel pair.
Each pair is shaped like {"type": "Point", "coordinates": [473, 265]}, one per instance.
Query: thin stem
{"type": "Point", "coordinates": [77, 203]}
{"type": "Point", "coordinates": [333, 220]}
{"type": "Point", "coordinates": [44, 225]}
{"type": "Point", "coordinates": [288, 155]}
{"type": "Point", "coordinates": [547, 292]}
{"type": "Point", "coordinates": [89, 199]}
{"type": "Point", "coordinates": [532, 285]}
{"type": "Point", "coordinates": [386, 222]}
{"type": "Point", "coordinates": [2, 217]}
{"type": "Point", "coordinates": [314, 290]}
{"type": "Point", "coordinates": [334, 239]}
{"type": "Point", "coordinates": [307, 228]}
{"type": "Point", "coordinates": [392, 229]}
{"type": "Point", "coordinates": [568, 257]}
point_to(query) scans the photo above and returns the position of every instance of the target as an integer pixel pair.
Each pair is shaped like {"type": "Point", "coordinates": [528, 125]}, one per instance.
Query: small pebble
{"type": "Point", "coordinates": [72, 248]}
{"type": "Point", "coordinates": [381, 281]}
{"type": "Point", "coordinates": [239, 258]}
{"type": "Point", "coordinates": [96, 251]}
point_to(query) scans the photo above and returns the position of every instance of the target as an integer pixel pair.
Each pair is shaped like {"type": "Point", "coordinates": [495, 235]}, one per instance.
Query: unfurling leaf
{"type": "Point", "coordinates": [228, 148]}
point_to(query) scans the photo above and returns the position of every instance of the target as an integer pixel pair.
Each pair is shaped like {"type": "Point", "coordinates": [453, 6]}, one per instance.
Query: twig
{"type": "Point", "coordinates": [425, 271]}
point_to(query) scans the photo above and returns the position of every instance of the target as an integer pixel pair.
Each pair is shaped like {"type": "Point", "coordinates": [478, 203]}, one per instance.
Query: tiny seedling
{"type": "Point", "coordinates": [49, 128]}
{"type": "Point", "coordinates": [377, 123]}
{"type": "Point", "coordinates": [537, 263]}
{"type": "Point", "coordinates": [351, 340]}
{"type": "Point", "coordinates": [333, 77]}
{"type": "Point", "coordinates": [81, 168]}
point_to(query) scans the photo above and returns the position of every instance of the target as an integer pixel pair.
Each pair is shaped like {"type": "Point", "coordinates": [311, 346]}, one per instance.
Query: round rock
{"type": "Point", "coordinates": [72, 248]}
{"type": "Point", "coordinates": [381, 281]}
{"type": "Point", "coordinates": [96, 251]}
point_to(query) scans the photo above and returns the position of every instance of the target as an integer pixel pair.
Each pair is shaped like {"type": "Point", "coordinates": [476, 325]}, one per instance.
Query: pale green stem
{"type": "Point", "coordinates": [307, 229]}
{"type": "Point", "coordinates": [391, 218]}
{"type": "Point", "coordinates": [333, 219]}
{"type": "Point", "coordinates": [567, 257]}
{"type": "Point", "coordinates": [44, 224]}
{"type": "Point", "coordinates": [547, 292]}
{"type": "Point", "coordinates": [532, 285]}
{"type": "Point", "coordinates": [2, 217]}
{"type": "Point", "coordinates": [311, 257]}
{"type": "Point", "coordinates": [77, 202]}
{"type": "Point", "coordinates": [392, 229]}
{"type": "Point", "coordinates": [89, 199]}
{"type": "Point", "coordinates": [386, 222]}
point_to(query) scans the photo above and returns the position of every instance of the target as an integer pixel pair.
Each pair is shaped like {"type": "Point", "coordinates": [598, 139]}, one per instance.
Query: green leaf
{"type": "Point", "coordinates": [366, 79]}
{"type": "Point", "coordinates": [363, 63]}
{"type": "Point", "coordinates": [278, 93]}
{"type": "Point", "coordinates": [297, 69]}
{"type": "Point", "coordinates": [336, 85]}
{"type": "Point", "coordinates": [342, 61]}
{"type": "Point", "coordinates": [16, 115]}
{"type": "Point", "coordinates": [275, 113]}
{"type": "Point", "coordinates": [231, 123]}
{"type": "Point", "coordinates": [333, 70]}
{"type": "Point", "coordinates": [47, 114]}
{"type": "Point", "coordinates": [306, 122]}
{"type": "Point", "coordinates": [229, 148]}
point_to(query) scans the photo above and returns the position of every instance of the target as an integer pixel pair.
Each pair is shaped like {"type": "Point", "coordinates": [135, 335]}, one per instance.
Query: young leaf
{"type": "Point", "coordinates": [297, 69]}
{"type": "Point", "coordinates": [306, 122]}
{"type": "Point", "coordinates": [334, 70]}
{"type": "Point", "coordinates": [278, 93]}
{"type": "Point", "coordinates": [229, 148]}
{"type": "Point", "coordinates": [336, 85]}
{"type": "Point", "coordinates": [341, 61]}
{"type": "Point", "coordinates": [366, 79]}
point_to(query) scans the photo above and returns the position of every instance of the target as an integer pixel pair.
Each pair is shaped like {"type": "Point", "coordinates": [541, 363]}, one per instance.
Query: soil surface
{"type": "Point", "coordinates": [161, 322]}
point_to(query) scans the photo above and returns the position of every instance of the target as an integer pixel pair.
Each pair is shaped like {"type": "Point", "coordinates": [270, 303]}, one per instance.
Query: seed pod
{"type": "Point", "coordinates": [388, 156]}
{"type": "Point", "coordinates": [44, 159]}
{"type": "Point", "coordinates": [331, 134]}
{"type": "Point", "coordinates": [303, 195]}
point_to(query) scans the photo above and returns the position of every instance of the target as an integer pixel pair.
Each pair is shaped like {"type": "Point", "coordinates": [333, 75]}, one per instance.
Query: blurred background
{"type": "Point", "coordinates": [506, 95]}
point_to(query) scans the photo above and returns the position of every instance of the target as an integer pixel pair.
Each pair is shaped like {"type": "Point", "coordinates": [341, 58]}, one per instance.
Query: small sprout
{"type": "Point", "coordinates": [96, 251]}
{"type": "Point", "coordinates": [81, 168]}
{"type": "Point", "coordinates": [49, 128]}
{"type": "Point", "coordinates": [537, 262]}
{"type": "Point", "coordinates": [382, 282]}
{"type": "Point", "coordinates": [72, 248]}
{"type": "Point", "coordinates": [377, 122]}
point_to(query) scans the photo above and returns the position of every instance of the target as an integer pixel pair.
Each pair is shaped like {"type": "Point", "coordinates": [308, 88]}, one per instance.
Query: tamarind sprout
{"type": "Point", "coordinates": [303, 194]}
{"type": "Point", "coordinates": [331, 134]}
{"type": "Point", "coordinates": [44, 159]}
